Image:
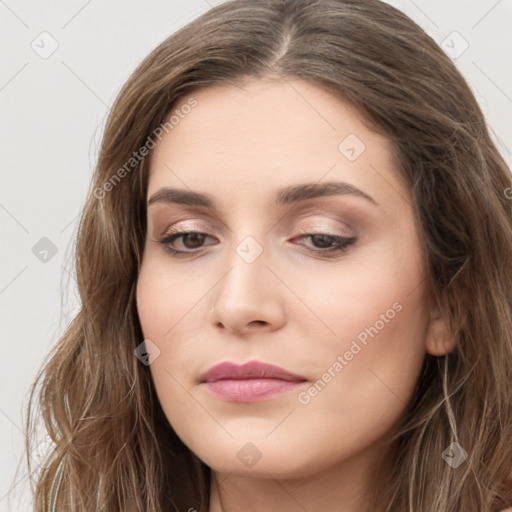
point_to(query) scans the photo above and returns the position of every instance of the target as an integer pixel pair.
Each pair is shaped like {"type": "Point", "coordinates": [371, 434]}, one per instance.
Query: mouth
{"type": "Point", "coordinates": [250, 382]}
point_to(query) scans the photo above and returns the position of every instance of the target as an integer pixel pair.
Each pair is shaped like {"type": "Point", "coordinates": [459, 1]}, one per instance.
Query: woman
{"type": "Point", "coordinates": [294, 267]}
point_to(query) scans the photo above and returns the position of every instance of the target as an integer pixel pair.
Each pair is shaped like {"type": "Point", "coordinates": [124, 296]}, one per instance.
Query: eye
{"type": "Point", "coordinates": [325, 243]}
{"type": "Point", "coordinates": [190, 241]}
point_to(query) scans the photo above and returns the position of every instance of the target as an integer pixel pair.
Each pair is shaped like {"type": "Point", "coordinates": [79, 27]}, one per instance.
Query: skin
{"type": "Point", "coordinates": [291, 307]}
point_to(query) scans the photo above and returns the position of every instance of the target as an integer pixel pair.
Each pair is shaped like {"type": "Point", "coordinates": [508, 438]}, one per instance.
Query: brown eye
{"type": "Point", "coordinates": [324, 243]}
{"type": "Point", "coordinates": [190, 242]}
{"type": "Point", "coordinates": [193, 240]}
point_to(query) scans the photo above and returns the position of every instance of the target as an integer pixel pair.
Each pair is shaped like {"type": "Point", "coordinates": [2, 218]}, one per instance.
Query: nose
{"type": "Point", "coordinates": [248, 297]}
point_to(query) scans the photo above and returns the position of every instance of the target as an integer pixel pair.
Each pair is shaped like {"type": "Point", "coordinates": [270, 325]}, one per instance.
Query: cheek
{"type": "Point", "coordinates": [160, 307]}
{"type": "Point", "coordinates": [149, 299]}
{"type": "Point", "coordinates": [171, 314]}
{"type": "Point", "coordinates": [373, 297]}
{"type": "Point", "coordinates": [164, 298]}
{"type": "Point", "coordinates": [369, 365]}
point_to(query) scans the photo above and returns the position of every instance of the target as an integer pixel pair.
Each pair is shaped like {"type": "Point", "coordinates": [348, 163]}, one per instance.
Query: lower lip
{"type": "Point", "coordinates": [250, 390]}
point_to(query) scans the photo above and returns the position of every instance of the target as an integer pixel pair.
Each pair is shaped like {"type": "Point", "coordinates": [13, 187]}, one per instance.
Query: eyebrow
{"type": "Point", "coordinates": [287, 195]}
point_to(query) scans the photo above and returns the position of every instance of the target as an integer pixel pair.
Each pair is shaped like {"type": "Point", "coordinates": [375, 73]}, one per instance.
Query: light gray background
{"type": "Point", "coordinates": [52, 116]}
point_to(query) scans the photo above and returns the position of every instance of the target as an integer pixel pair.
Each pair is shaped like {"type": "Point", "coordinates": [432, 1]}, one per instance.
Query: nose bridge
{"type": "Point", "coordinates": [247, 262]}
{"type": "Point", "coordinates": [247, 255]}
{"type": "Point", "coordinates": [245, 294]}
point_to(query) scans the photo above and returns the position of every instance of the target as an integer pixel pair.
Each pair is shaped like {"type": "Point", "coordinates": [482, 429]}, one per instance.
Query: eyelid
{"type": "Point", "coordinates": [180, 226]}
{"type": "Point", "coordinates": [322, 229]}
{"type": "Point", "coordinates": [205, 225]}
{"type": "Point", "coordinates": [324, 212]}
{"type": "Point", "coordinates": [342, 228]}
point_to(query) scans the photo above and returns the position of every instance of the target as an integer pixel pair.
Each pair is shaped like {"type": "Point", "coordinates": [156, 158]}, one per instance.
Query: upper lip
{"type": "Point", "coordinates": [249, 370]}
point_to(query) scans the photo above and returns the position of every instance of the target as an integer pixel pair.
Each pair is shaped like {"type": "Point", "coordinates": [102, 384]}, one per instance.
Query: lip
{"type": "Point", "coordinates": [250, 382]}
{"type": "Point", "coordinates": [249, 370]}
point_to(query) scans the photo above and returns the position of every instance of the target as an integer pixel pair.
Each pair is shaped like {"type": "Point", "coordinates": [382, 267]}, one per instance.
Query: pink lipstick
{"type": "Point", "coordinates": [250, 382]}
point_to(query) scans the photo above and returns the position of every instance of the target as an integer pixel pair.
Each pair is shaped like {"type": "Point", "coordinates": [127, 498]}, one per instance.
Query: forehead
{"type": "Point", "coordinates": [268, 135]}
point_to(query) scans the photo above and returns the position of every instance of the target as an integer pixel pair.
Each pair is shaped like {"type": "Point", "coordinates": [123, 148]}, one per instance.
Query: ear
{"type": "Point", "coordinates": [439, 340]}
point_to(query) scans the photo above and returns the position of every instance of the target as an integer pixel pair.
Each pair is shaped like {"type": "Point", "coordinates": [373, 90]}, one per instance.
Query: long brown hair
{"type": "Point", "coordinates": [113, 444]}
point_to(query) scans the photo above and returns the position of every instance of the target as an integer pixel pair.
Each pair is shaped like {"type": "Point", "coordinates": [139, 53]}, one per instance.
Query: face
{"type": "Point", "coordinates": [271, 264]}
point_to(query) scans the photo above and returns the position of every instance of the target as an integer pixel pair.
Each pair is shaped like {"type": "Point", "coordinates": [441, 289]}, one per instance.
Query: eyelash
{"type": "Point", "coordinates": [341, 244]}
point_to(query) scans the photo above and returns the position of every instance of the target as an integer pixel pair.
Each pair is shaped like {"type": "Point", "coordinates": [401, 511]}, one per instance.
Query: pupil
{"type": "Point", "coordinates": [324, 240]}
{"type": "Point", "coordinates": [194, 238]}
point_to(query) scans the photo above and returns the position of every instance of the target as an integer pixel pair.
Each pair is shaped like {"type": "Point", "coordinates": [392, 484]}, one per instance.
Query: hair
{"type": "Point", "coordinates": [112, 445]}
